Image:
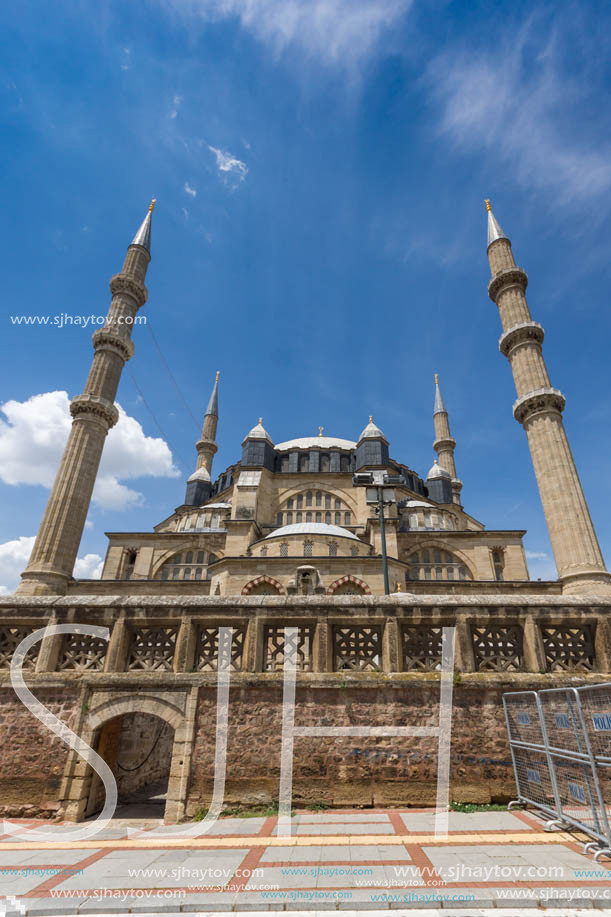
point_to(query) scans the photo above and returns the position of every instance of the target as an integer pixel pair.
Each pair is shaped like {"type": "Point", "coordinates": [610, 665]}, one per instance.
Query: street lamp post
{"type": "Point", "coordinates": [379, 492]}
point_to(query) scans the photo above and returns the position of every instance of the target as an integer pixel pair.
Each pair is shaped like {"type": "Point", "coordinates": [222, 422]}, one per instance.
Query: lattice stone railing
{"type": "Point", "coordinates": [207, 653]}
{"type": "Point", "coordinates": [421, 648]}
{"type": "Point", "coordinates": [82, 653]}
{"type": "Point", "coordinates": [10, 638]}
{"type": "Point", "coordinates": [569, 649]}
{"type": "Point", "coordinates": [273, 648]}
{"type": "Point", "coordinates": [498, 648]}
{"type": "Point", "coordinates": [152, 648]}
{"type": "Point", "coordinates": [357, 648]}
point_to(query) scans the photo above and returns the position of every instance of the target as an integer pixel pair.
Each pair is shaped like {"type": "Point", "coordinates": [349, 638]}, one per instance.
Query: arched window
{"type": "Point", "coordinates": [200, 557]}
{"type": "Point", "coordinates": [189, 557]}
{"type": "Point", "coordinates": [318, 499]}
{"type": "Point", "coordinates": [304, 462]}
{"type": "Point", "coordinates": [338, 503]}
{"type": "Point", "coordinates": [308, 517]}
{"type": "Point", "coordinates": [445, 566]}
{"type": "Point", "coordinates": [284, 549]}
{"type": "Point", "coordinates": [180, 566]}
{"type": "Point", "coordinates": [332, 549]}
{"type": "Point", "coordinates": [300, 501]}
{"type": "Point", "coordinates": [279, 519]}
{"type": "Point", "coordinates": [338, 518]}
{"type": "Point", "coordinates": [347, 518]}
{"type": "Point", "coordinates": [309, 498]}
{"type": "Point", "coordinates": [319, 517]}
{"type": "Point", "coordinates": [499, 564]}
{"type": "Point", "coordinates": [328, 518]}
{"type": "Point", "coordinates": [327, 501]}
{"type": "Point", "coordinates": [289, 518]}
{"type": "Point", "coordinates": [290, 503]}
{"type": "Point", "coordinates": [307, 549]}
{"type": "Point", "coordinates": [299, 517]}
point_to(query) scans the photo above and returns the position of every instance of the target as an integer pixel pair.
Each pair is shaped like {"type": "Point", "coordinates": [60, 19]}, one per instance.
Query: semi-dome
{"type": "Point", "coordinates": [259, 432]}
{"type": "Point", "coordinates": [312, 528]}
{"type": "Point", "coordinates": [437, 472]}
{"type": "Point", "coordinates": [309, 442]}
{"type": "Point", "coordinates": [371, 431]}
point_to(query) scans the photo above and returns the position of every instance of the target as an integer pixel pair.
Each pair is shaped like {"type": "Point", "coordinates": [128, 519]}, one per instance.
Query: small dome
{"type": "Point", "coordinates": [312, 528]}
{"type": "Point", "coordinates": [259, 432]}
{"type": "Point", "coordinates": [371, 431]}
{"type": "Point", "coordinates": [437, 472]}
{"type": "Point", "coordinates": [202, 474]}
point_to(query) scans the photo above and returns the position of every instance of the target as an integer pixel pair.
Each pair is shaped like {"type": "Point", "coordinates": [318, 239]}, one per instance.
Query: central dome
{"type": "Point", "coordinates": [309, 442]}
{"type": "Point", "coordinates": [312, 528]}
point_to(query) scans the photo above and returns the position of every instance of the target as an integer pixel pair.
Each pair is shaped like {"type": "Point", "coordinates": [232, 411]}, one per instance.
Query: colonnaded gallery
{"type": "Point", "coordinates": [338, 538]}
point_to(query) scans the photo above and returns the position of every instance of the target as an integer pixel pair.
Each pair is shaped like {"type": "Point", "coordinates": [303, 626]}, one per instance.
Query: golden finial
{"type": "Point", "coordinates": [260, 420]}
{"type": "Point", "coordinates": [436, 379]}
{"type": "Point", "coordinates": [152, 205]}
{"type": "Point", "coordinates": [488, 207]}
{"type": "Point", "coordinates": [320, 429]}
{"type": "Point", "coordinates": [371, 418]}
{"type": "Point", "coordinates": [218, 372]}
{"type": "Point", "coordinates": [398, 587]}
{"type": "Point", "coordinates": [435, 462]}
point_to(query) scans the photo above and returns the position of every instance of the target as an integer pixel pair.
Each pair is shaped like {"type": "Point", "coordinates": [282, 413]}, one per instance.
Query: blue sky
{"type": "Point", "coordinates": [320, 168]}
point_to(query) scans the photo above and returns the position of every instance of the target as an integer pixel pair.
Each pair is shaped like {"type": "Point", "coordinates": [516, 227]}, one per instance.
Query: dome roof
{"type": "Point", "coordinates": [201, 474]}
{"type": "Point", "coordinates": [371, 431]}
{"type": "Point", "coordinates": [259, 432]}
{"type": "Point", "coordinates": [309, 442]}
{"type": "Point", "coordinates": [437, 472]}
{"type": "Point", "coordinates": [312, 528]}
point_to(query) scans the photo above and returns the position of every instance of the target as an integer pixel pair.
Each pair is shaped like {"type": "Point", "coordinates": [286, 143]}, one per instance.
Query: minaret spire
{"type": "Point", "coordinates": [199, 485]}
{"type": "Point", "coordinates": [445, 444]}
{"type": "Point", "coordinates": [494, 230]}
{"type": "Point", "coordinates": [581, 568]}
{"type": "Point", "coordinates": [94, 413]}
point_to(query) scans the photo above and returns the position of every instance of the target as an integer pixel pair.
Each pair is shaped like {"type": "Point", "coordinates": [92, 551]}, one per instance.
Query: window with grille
{"type": "Point", "coordinates": [357, 648]}
{"type": "Point", "coordinates": [498, 562]}
{"type": "Point", "coordinates": [422, 648]}
{"type": "Point", "coordinates": [569, 649]}
{"type": "Point", "coordinates": [273, 643]}
{"type": "Point", "coordinates": [354, 551]}
{"type": "Point", "coordinates": [284, 549]}
{"type": "Point", "coordinates": [307, 549]}
{"type": "Point", "coordinates": [498, 648]}
{"type": "Point", "coordinates": [82, 653]}
{"type": "Point", "coordinates": [207, 653]}
{"type": "Point", "coordinates": [188, 566]}
{"type": "Point", "coordinates": [333, 549]}
{"type": "Point", "coordinates": [10, 638]}
{"type": "Point", "coordinates": [442, 566]}
{"type": "Point", "coordinates": [152, 648]}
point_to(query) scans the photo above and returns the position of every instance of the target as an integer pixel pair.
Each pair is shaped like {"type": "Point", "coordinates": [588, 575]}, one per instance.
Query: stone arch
{"type": "Point", "coordinates": [167, 556]}
{"type": "Point", "coordinates": [349, 578]}
{"type": "Point", "coordinates": [251, 587]}
{"type": "Point", "coordinates": [301, 489]}
{"type": "Point", "coordinates": [79, 778]}
{"type": "Point", "coordinates": [431, 545]}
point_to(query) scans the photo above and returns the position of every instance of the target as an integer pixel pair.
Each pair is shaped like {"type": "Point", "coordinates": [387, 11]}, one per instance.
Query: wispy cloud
{"type": "Point", "coordinates": [192, 192]}
{"type": "Point", "coordinates": [337, 32]}
{"type": "Point", "coordinates": [535, 555]}
{"type": "Point", "coordinates": [520, 103]}
{"type": "Point", "coordinates": [232, 168]}
{"type": "Point", "coordinates": [126, 58]}
{"type": "Point", "coordinates": [177, 102]}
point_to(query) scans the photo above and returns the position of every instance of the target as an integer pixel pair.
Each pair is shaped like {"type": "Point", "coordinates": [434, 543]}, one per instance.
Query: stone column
{"type": "Point", "coordinates": [52, 561]}
{"type": "Point", "coordinates": [581, 568]}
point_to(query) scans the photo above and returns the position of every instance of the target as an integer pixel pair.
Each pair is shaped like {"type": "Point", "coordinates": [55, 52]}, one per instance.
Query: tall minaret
{"type": "Point", "coordinates": [199, 485]}
{"type": "Point", "coordinates": [94, 413]}
{"type": "Point", "coordinates": [581, 568]}
{"type": "Point", "coordinates": [444, 443]}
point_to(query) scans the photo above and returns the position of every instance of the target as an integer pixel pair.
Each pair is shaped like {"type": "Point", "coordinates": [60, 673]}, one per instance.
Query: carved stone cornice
{"type": "Point", "coordinates": [446, 442]}
{"type": "Point", "coordinates": [524, 333]}
{"type": "Point", "coordinates": [541, 400]}
{"type": "Point", "coordinates": [510, 277]}
{"type": "Point", "coordinates": [206, 445]}
{"type": "Point", "coordinates": [113, 343]}
{"type": "Point", "coordinates": [122, 283]}
{"type": "Point", "coordinates": [94, 404]}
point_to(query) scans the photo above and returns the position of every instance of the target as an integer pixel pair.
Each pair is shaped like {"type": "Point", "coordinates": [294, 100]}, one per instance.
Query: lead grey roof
{"type": "Point", "coordinates": [439, 405]}
{"type": "Point", "coordinates": [213, 404]}
{"type": "Point", "coordinates": [494, 230]}
{"type": "Point", "coordinates": [438, 472]}
{"type": "Point", "coordinates": [259, 432]}
{"type": "Point", "coordinates": [312, 528]}
{"type": "Point", "coordinates": [143, 236]}
{"type": "Point", "coordinates": [371, 431]}
{"type": "Point", "coordinates": [309, 442]}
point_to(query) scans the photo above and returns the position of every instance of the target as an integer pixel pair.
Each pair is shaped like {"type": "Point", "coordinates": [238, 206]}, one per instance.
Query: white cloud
{"type": "Point", "coordinates": [14, 556]}
{"type": "Point", "coordinates": [233, 168]}
{"type": "Point", "coordinates": [337, 32]}
{"type": "Point", "coordinates": [177, 101]}
{"type": "Point", "coordinates": [535, 555]}
{"type": "Point", "coordinates": [32, 440]}
{"type": "Point", "coordinates": [192, 192]}
{"type": "Point", "coordinates": [518, 104]}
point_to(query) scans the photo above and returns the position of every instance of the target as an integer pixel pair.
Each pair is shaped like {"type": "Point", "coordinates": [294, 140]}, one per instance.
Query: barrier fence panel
{"type": "Point", "coordinates": [560, 740]}
{"type": "Point", "coordinates": [531, 764]}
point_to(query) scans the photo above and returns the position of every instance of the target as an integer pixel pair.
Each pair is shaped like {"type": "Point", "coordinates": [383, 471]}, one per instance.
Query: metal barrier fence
{"type": "Point", "coordinates": [560, 740]}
